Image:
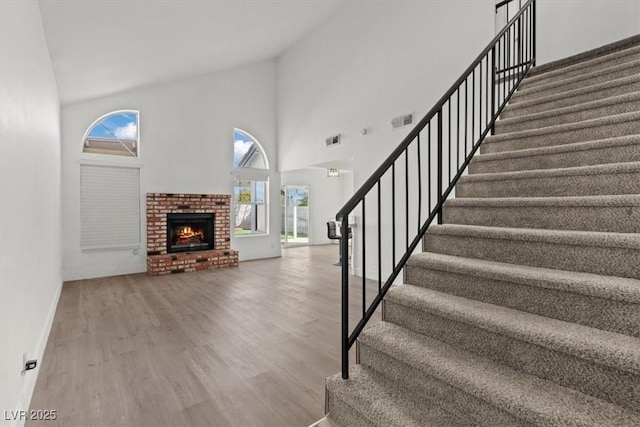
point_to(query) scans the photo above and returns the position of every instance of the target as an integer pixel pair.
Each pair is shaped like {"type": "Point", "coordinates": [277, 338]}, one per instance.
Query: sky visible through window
{"type": "Point", "coordinates": [298, 196]}
{"type": "Point", "coordinates": [241, 144]}
{"type": "Point", "coordinates": [117, 126]}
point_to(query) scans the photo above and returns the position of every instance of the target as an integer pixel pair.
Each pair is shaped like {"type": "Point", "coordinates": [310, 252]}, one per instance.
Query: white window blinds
{"type": "Point", "coordinates": [109, 207]}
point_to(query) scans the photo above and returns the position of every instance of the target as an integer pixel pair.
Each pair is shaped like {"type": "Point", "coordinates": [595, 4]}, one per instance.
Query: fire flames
{"type": "Point", "coordinates": [188, 235]}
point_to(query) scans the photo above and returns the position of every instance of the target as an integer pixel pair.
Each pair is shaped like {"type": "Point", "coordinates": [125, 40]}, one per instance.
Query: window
{"type": "Point", "coordinates": [247, 152]}
{"type": "Point", "coordinates": [110, 190]}
{"type": "Point", "coordinates": [250, 197]}
{"type": "Point", "coordinates": [250, 187]}
{"type": "Point", "coordinates": [109, 207]}
{"type": "Point", "coordinates": [114, 134]}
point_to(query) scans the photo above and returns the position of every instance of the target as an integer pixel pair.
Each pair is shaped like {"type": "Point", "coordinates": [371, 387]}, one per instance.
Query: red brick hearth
{"type": "Point", "coordinates": [159, 261]}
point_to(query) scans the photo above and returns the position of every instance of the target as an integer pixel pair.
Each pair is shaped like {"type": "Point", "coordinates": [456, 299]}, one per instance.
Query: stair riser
{"type": "Point", "coordinates": [510, 111]}
{"type": "Point", "coordinates": [526, 93]}
{"type": "Point", "coordinates": [616, 219]}
{"type": "Point", "coordinates": [563, 74]}
{"type": "Point", "coordinates": [344, 414]}
{"type": "Point", "coordinates": [609, 130]}
{"type": "Point", "coordinates": [606, 314]}
{"type": "Point", "coordinates": [609, 384]}
{"type": "Point", "coordinates": [572, 185]}
{"type": "Point", "coordinates": [598, 156]}
{"type": "Point", "coordinates": [449, 397]}
{"type": "Point", "coordinates": [578, 116]}
{"type": "Point", "coordinates": [609, 261]}
{"type": "Point", "coordinates": [370, 397]}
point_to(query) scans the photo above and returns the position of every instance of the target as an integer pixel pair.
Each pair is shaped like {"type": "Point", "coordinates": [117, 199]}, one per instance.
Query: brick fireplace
{"type": "Point", "coordinates": [186, 245]}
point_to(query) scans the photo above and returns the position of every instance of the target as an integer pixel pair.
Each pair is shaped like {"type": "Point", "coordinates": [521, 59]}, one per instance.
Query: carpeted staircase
{"type": "Point", "coordinates": [524, 308]}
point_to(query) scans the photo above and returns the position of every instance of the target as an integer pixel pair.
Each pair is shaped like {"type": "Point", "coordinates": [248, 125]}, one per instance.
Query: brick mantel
{"type": "Point", "coordinates": [160, 204]}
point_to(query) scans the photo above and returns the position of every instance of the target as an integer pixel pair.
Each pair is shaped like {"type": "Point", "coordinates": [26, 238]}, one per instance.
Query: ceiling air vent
{"type": "Point", "coordinates": [398, 122]}
{"type": "Point", "coordinates": [332, 140]}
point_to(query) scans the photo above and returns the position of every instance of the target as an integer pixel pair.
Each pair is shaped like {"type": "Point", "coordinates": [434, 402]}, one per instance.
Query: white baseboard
{"type": "Point", "coordinates": [30, 385]}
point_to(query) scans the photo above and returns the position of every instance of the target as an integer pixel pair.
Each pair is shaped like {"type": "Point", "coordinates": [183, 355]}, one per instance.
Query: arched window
{"type": "Point", "coordinates": [247, 152]}
{"type": "Point", "coordinates": [250, 186]}
{"type": "Point", "coordinates": [110, 191]}
{"type": "Point", "coordinates": [115, 134]}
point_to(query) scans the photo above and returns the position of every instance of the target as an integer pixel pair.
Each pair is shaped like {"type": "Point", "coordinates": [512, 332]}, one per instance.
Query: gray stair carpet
{"type": "Point", "coordinates": [524, 306]}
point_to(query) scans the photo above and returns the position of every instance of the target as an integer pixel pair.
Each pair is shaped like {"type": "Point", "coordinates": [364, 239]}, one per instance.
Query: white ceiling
{"type": "Point", "coordinates": [100, 47]}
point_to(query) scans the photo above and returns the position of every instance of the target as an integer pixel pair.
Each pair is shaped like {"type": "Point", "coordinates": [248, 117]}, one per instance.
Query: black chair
{"type": "Point", "coordinates": [332, 233]}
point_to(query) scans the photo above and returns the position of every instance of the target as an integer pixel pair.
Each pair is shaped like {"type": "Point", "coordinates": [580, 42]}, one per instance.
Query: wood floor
{"type": "Point", "coordinates": [246, 346]}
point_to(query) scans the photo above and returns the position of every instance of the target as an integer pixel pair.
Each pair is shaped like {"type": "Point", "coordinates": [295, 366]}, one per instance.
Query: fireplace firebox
{"type": "Point", "coordinates": [189, 232]}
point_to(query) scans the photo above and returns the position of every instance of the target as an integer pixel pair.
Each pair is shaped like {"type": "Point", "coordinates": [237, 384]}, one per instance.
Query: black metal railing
{"type": "Point", "coordinates": [505, 11]}
{"type": "Point", "coordinates": [505, 3]}
{"type": "Point", "coordinates": [433, 156]}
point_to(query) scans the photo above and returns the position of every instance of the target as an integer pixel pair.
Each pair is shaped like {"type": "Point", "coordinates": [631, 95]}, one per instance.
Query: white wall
{"type": "Point", "coordinates": [326, 197]}
{"type": "Point", "coordinates": [186, 146]}
{"type": "Point", "coordinates": [30, 274]}
{"type": "Point", "coordinates": [567, 27]}
{"type": "Point", "coordinates": [369, 63]}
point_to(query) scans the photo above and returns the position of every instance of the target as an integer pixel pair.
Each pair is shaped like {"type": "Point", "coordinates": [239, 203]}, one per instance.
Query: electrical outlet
{"type": "Point", "coordinates": [27, 365]}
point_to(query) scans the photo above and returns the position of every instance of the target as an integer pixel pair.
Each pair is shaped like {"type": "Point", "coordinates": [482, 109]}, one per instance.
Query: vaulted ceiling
{"type": "Point", "coordinates": [100, 47]}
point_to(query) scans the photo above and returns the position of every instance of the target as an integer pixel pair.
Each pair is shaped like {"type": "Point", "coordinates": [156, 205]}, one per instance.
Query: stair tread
{"type": "Point", "coordinates": [607, 348]}
{"type": "Point", "coordinates": [564, 148]}
{"type": "Point", "coordinates": [584, 106]}
{"type": "Point", "coordinates": [607, 213]}
{"type": "Point", "coordinates": [631, 200]}
{"type": "Point", "coordinates": [525, 92]}
{"type": "Point", "coordinates": [591, 123]}
{"type": "Point", "coordinates": [566, 237]}
{"type": "Point", "coordinates": [587, 64]}
{"type": "Point", "coordinates": [384, 403]}
{"type": "Point", "coordinates": [587, 55]}
{"type": "Point", "coordinates": [607, 168]}
{"type": "Point", "coordinates": [621, 81]}
{"type": "Point", "coordinates": [518, 393]}
{"type": "Point", "coordinates": [573, 107]}
{"type": "Point", "coordinates": [609, 287]}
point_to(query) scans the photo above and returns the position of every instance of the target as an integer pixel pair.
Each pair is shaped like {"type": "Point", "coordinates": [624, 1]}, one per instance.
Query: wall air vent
{"type": "Point", "coordinates": [332, 140]}
{"type": "Point", "coordinates": [333, 173]}
{"type": "Point", "coordinates": [398, 122]}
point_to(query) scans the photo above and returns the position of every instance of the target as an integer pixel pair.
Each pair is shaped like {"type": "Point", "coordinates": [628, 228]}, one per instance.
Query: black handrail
{"type": "Point", "coordinates": [506, 3]}
{"type": "Point", "coordinates": [512, 51]}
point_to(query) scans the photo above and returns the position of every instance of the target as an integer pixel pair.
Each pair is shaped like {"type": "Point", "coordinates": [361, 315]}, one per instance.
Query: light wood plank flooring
{"type": "Point", "coordinates": [246, 346]}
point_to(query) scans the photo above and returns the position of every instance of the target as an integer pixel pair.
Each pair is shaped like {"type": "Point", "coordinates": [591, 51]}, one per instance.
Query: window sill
{"type": "Point", "coordinates": [242, 236]}
{"type": "Point", "coordinates": [102, 160]}
{"type": "Point", "coordinates": [124, 246]}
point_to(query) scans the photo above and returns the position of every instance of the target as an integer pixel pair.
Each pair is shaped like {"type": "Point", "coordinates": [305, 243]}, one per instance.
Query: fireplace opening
{"type": "Point", "coordinates": [188, 232]}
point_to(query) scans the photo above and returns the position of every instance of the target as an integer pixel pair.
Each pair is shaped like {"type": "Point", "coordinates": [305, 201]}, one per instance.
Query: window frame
{"type": "Point", "coordinates": [84, 202]}
{"type": "Point", "coordinates": [106, 156]}
{"type": "Point", "coordinates": [111, 161]}
{"type": "Point", "coordinates": [246, 173]}
{"type": "Point", "coordinates": [241, 176]}
{"type": "Point", "coordinates": [259, 147]}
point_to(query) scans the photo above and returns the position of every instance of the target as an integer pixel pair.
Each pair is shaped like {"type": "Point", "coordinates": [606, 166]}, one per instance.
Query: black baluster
{"type": "Point", "coordinates": [440, 166]}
